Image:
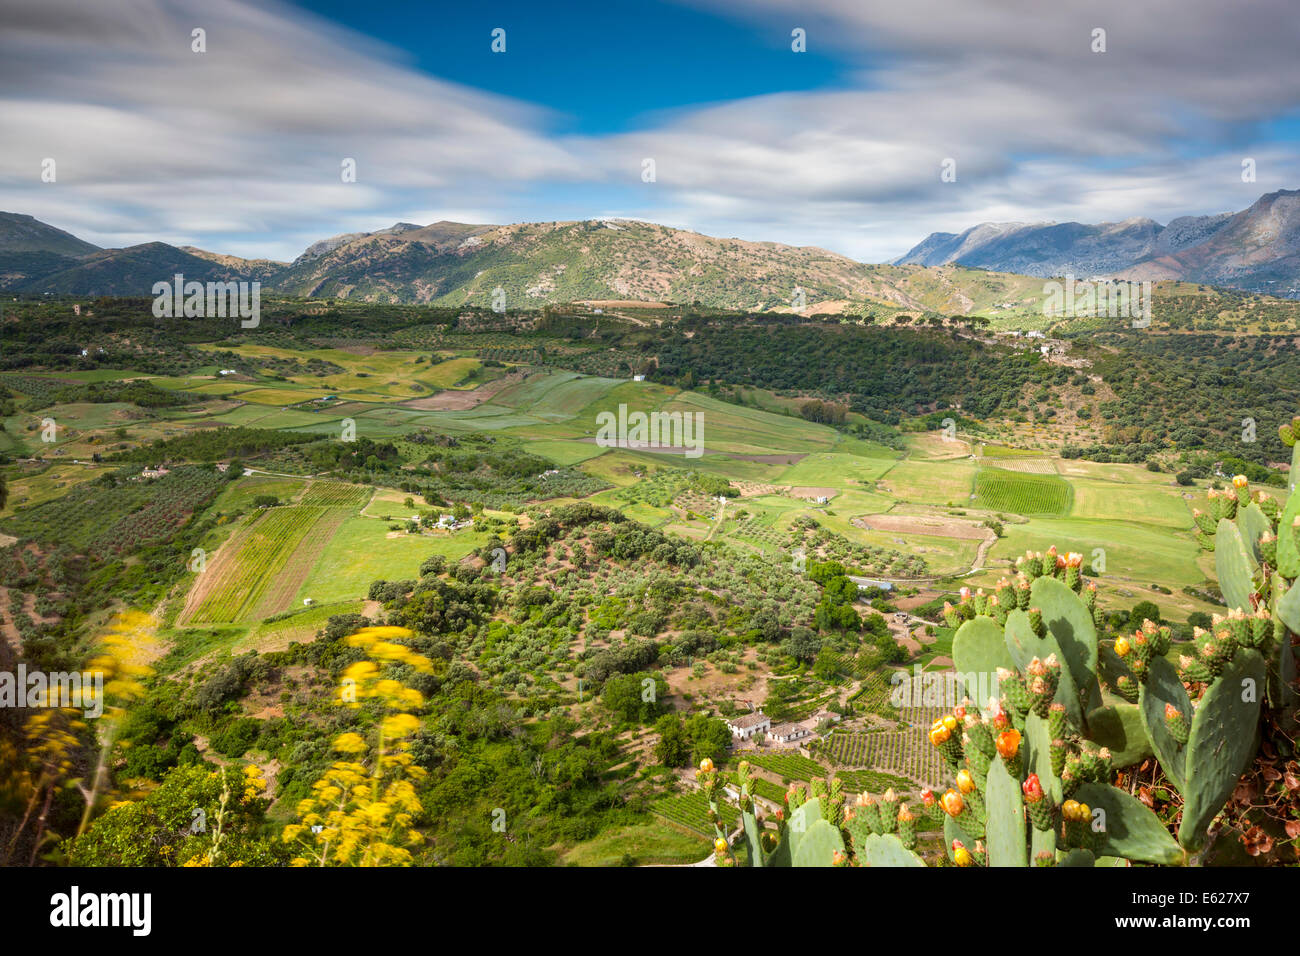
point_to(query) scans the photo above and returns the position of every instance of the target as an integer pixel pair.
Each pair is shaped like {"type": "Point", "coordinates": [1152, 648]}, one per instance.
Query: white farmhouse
{"type": "Point", "coordinates": [788, 733]}
{"type": "Point", "coordinates": [749, 726]}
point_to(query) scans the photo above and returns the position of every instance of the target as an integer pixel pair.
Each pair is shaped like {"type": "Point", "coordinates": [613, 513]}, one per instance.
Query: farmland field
{"type": "Point", "coordinates": [254, 574]}
{"type": "Point", "coordinates": [1028, 494]}
{"type": "Point", "coordinates": [788, 766]}
{"type": "Point", "coordinates": [906, 751]}
{"type": "Point", "coordinates": [126, 514]}
{"type": "Point", "coordinates": [691, 811]}
{"type": "Point", "coordinates": [335, 494]}
{"type": "Point", "coordinates": [647, 844]}
{"type": "Point", "coordinates": [54, 482]}
{"type": "Point", "coordinates": [363, 550]}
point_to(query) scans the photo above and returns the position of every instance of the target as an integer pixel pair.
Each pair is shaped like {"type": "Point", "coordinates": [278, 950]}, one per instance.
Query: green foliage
{"type": "Point", "coordinates": [1144, 611]}
{"type": "Point", "coordinates": [1128, 828]}
{"type": "Point", "coordinates": [176, 823]}
{"type": "Point", "coordinates": [216, 444]}
{"type": "Point", "coordinates": [886, 850]}
{"type": "Point", "coordinates": [1005, 831]}
{"type": "Point", "coordinates": [1234, 564]}
{"type": "Point", "coordinates": [1223, 740]}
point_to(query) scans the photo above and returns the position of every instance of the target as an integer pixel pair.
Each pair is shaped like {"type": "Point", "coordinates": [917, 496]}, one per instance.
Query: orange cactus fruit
{"type": "Point", "coordinates": [1008, 743]}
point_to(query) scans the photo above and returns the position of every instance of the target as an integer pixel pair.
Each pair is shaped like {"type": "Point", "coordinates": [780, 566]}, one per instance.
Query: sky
{"type": "Point", "coordinates": [810, 122]}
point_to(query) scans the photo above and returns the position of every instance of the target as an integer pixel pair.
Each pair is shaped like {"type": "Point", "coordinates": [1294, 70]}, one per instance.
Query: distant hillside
{"type": "Point", "coordinates": [1257, 249]}
{"type": "Point", "coordinates": [540, 263]}
{"type": "Point", "coordinates": [129, 271]}
{"type": "Point", "coordinates": [453, 264]}
{"type": "Point", "coordinates": [19, 233]}
{"type": "Point", "coordinates": [988, 270]}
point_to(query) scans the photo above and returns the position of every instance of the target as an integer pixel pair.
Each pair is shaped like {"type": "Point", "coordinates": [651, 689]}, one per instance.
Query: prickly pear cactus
{"type": "Point", "coordinates": [1022, 761]}
{"type": "Point", "coordinates": [1033, 768]}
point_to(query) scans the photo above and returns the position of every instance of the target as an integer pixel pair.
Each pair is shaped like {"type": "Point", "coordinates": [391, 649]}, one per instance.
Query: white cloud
{"type": "Point", "coordinates": [238, 149]}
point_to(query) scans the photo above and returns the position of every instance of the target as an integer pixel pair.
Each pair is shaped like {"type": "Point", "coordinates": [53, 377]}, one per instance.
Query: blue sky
{"type": "Point", "coordinates": [601, 67]}
{"type": "Point", "coordinates": [239, 147]}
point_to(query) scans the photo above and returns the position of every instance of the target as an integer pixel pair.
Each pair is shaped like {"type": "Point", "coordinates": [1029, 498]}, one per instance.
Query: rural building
{"type": "Point", "coordinates": [787, 733]}
{"type": "Point", "coordinates": [749, 726]}
{"type": "Point", "coordinates": [864, 583]}
{"type": "Point", "coordinates": [153, 472]}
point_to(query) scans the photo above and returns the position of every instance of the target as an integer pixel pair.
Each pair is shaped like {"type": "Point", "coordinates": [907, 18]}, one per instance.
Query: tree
{"type": "Point", "coordinates": [827, 664]}
{"type": "Point", "coordinates": [837, 617]}
{"type": "Point", "coordinates": [1144, 611]}
{"type": "Point", "coordinates": [875, 625]}
{"type": "Point", "coordinates": [890, 650]}
{"type": "Point", "coordinates": [635, 698]}
{"type": "Point", "coordinates": [709, 736]}
{"type": "Point", "coordinates": [674, 746]}
{"type": "Point", "coordinates": [802, 644]}
{"type": "Point", "coordinates": [824, 571]}
{"type": "Point", "coordinates": [4, 493]}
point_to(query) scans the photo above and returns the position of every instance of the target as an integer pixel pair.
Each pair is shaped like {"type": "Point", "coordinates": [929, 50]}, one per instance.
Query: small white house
{"type": "Point", "coordinates": [308, 602]}
{"type": "Point", "coordinates": [788, 733]}
{"type": "Point", "coordinates": [638, 378]}
{"type": "Point", "coordinates": [749, 725]}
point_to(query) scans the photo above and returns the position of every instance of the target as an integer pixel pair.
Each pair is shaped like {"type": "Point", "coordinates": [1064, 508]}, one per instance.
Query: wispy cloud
{"type": "Point", "coordinates": [239, 148]}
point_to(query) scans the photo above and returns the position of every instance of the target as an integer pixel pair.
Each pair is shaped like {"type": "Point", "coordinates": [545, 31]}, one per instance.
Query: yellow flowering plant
{"type": "Point", "coordinates": [122, 684]}
{"type": "Point", "coordinates": [362, 811]}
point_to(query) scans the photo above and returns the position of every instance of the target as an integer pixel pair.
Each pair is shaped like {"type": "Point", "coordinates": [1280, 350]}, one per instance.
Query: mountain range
{"type": "Point", "coordinates": [1257, 249]}
{"type": "Point", "coordinates": [450, 263]}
